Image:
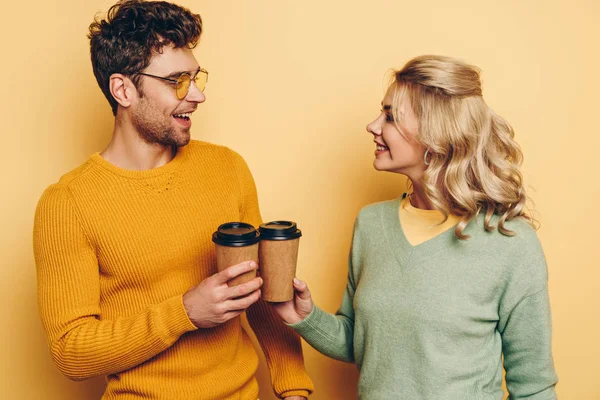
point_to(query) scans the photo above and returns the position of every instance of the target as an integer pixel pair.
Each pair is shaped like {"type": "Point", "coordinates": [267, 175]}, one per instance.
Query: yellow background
{"type": "Point", "coordinates": [292, 86]}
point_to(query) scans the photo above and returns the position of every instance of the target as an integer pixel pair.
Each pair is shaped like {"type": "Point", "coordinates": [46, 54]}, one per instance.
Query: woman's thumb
{"type": "Point", "coordinates": [301, 289]}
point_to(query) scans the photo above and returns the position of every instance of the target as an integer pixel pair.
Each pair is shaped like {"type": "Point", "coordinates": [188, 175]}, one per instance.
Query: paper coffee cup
{"type": "Point", "coordinates": [236, 242]}
{"type": "Point", "coordinates": [278, 254]}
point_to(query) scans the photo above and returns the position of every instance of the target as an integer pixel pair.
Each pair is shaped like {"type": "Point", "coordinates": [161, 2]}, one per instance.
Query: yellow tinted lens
{"type": "Point", "coordinates": [201, 79]}
{"type": "Point", "coordinates": [183, 86]}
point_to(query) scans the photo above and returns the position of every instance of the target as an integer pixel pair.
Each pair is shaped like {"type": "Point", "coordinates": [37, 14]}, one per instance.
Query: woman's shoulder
{"type": "Point", "coordinates": [375, 211]}
{"type": "Point", "coordinates": [522, 250]}
{"type": "Point", "coordinates": [522, 230]}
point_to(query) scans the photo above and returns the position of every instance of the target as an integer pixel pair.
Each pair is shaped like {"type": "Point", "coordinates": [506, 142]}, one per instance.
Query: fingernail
{"type": "Point", "coordinates": [253, 264]}
{"type": "Point", "coordinates": [296, 281]}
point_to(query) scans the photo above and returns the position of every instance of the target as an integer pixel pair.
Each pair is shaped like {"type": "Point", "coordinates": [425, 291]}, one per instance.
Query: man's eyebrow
{"type": "Point", "coordinates": [176, 74]}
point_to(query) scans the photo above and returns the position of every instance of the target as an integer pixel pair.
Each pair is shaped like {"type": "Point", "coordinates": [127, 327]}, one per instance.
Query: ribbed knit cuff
{"type": "Point", "coordinates": [299, 392]}
{"type": "Point", "coordinates": [174, 319]}
{"type": "Point", "coordinates": [314, 329]}
{"type": "Point", "coordinates": [307, 325]}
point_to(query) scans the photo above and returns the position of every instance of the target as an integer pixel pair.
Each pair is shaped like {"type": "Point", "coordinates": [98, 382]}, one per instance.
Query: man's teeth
{"type": "Point", "coordinates": [186, 115]}
{"type": "Point", "coordinates": [381, 148]}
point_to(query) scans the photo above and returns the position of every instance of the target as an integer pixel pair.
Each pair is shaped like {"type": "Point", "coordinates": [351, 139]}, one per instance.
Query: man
{"type": "Point", "coordinates": [127, 278]}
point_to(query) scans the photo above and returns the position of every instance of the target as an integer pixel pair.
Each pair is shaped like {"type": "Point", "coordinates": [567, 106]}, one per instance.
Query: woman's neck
{"type": "Point", "coordinates": [418, 198]}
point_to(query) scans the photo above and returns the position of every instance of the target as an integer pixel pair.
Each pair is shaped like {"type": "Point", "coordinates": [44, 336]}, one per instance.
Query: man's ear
{"type": "Point", "coordinates": [122, 89]}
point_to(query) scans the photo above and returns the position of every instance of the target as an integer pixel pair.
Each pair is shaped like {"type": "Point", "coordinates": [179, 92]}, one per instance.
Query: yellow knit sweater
{"type": "Point", "coordinates": [115, 251]}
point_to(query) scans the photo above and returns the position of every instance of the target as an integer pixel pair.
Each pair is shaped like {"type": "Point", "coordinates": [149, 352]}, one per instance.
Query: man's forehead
{"type": "Point", "coordinates": [171, 60]}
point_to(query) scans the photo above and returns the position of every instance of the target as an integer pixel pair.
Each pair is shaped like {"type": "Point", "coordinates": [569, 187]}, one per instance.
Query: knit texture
{"type": "Point", "coordinates": [432, 321]}
{"type": "Point", "coordinates": [115, 251]}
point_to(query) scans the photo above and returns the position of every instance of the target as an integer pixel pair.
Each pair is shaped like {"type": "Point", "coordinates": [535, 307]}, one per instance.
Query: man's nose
{"type": "Point", "coordinates": [195, 95]}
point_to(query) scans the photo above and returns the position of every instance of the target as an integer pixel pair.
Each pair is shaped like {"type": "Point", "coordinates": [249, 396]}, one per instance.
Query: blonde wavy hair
{"type": "Point", "coordinates": [474, 159]}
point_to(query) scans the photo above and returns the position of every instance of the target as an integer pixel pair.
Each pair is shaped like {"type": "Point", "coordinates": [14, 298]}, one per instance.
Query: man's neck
{"type": "Point", "coordinates": [128, 150]}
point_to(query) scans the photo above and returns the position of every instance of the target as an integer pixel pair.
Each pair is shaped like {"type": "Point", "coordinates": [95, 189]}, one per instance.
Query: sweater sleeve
{"type": "Point", "coordinates": [280, 344]}
{"type": "Point", "coordinates": [83, 344]}
{"type": "Point", "coordinates": [526, 328]}
{"type": "Point", "coordinates": [333, 335]}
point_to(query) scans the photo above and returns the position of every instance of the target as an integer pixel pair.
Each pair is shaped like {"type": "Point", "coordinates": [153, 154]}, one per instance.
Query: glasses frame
{"type": "Point", "coordinates": [177, 81]}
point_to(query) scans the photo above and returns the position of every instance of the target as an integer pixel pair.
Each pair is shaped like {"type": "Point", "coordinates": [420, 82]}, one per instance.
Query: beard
{"type": "Point", "coordinates": [155, 128]}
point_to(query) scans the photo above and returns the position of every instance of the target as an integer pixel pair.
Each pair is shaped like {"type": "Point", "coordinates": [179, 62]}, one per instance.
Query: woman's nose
{"type": "Point", "coordinates": [374, 127]}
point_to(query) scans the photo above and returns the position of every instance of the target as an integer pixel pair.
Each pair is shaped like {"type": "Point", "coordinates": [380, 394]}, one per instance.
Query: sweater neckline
{"type": "Point", "coordinates": [171, 166]}
{"type": "Point", "coordinates": [399, 244]}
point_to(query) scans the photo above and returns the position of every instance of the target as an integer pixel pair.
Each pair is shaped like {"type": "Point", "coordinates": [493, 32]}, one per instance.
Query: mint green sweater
{"type": "Point", "coordinates": [432, 321]}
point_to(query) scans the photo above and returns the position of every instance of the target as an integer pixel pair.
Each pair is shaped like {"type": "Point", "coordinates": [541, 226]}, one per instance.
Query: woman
{"type": "Point", "coordinates": [446, 280]}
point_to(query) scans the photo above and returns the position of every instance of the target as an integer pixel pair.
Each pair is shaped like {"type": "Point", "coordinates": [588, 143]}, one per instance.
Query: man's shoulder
{"type": "Point", "coordinates": [213, 157]}
{"type": "Point", "coordinates": [198, 148]}
{"type": "Point", "coordinates": [76, 173]}
{"type": "Point", "coordinates": [70, 177]}
{"type": "Point", "coordinates": [58, 191]}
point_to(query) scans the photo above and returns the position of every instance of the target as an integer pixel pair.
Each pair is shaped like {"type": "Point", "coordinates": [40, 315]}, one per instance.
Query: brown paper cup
{"type": "Point", "coordinates": [228, 256]}
{"type": "Point", "coordinates": [278, 268]}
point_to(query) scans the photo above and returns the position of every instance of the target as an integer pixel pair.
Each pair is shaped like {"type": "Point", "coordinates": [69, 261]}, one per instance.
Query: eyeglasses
{"type": "Point", "coordinates": [184, 81]}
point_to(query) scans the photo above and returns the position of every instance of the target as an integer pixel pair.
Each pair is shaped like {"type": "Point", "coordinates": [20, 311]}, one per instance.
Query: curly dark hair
{"type": "Point", "coordinates": [133, 29]}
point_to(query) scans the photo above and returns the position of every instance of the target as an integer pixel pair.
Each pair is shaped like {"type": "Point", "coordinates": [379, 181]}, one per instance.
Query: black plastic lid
{"type": "Point", "coordinates": [279, 230]}
{"type": "Point", "coordinates": [236, 234]}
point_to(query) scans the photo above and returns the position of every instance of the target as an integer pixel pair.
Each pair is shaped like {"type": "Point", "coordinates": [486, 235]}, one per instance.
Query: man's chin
{"type": "Point", "coordinates": [178, 140]}
{"type": "Point", "coordinates": [183, 139]}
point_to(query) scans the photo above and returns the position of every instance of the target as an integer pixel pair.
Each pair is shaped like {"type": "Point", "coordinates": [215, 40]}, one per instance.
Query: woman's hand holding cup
{"type": "Point", "coordinates": [297, 309]}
